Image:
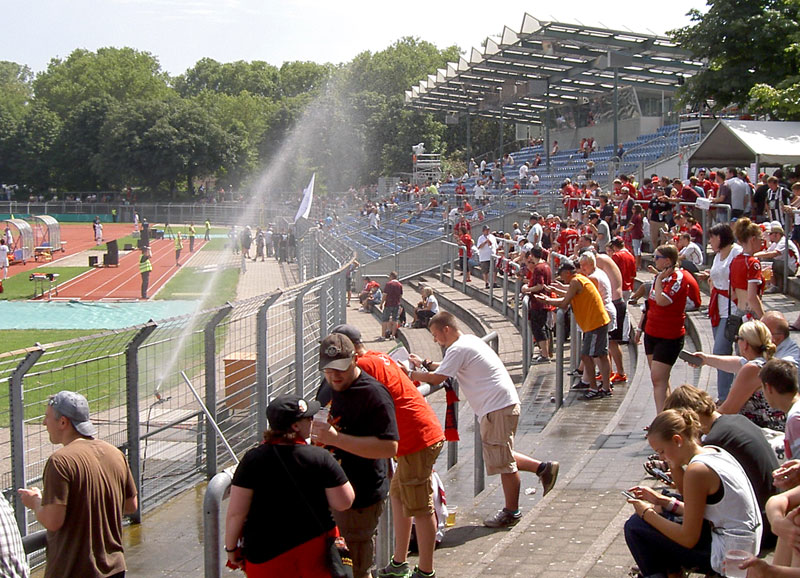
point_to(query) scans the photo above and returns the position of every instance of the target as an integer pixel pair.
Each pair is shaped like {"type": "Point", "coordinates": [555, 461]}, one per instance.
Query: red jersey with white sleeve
{"type": "Point", "coordinates": [667, 321]}
{"type": "Point", "coordinates": [745, 269]}
{"type": "Point", "coordinates": [568, 239]}
{"type": "Point", "coordinates": [693, 293]}
{"type": "Point", "coordinates": [627, 267]}
{"type": "Point", "coordinates": [574, 198]}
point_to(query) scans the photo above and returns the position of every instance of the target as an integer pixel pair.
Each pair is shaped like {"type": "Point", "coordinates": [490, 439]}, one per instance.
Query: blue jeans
{"type": "Point", "coordinates": [655, 554]}
{"type": "Point", "coordinates": [722, 347]}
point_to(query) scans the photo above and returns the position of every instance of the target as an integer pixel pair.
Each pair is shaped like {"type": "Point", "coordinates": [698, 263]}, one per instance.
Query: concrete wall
{"type": "Point", "coordinates": [628, 130]}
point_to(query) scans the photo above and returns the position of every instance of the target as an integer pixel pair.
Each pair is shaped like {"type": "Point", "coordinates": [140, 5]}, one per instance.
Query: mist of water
{"type": "Point", "coordinates": [326, 124]}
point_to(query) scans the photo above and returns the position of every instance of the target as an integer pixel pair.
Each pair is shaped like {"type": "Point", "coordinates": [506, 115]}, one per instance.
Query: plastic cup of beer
{"type": "Point", "coordinates": [740, 544]}
{"type": "Point", "coordinates": [451, 516]}
{"type": "Point", "coordinates": [322, 415]}
{"type": "Point", "coordinates": [766, 272]}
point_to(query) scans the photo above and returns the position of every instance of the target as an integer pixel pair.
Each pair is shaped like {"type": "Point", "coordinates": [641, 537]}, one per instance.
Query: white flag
{"type": "Point", "coordinates": [305, 205]}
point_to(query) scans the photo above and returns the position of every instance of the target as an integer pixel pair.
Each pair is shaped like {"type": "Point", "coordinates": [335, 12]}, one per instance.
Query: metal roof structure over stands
{"type": "Point", "coordinates": [547, 64]}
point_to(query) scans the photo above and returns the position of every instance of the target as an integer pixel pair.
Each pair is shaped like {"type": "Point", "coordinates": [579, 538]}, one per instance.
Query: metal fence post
{"type": "Point", "coordinates": [218, 488]}
{"type": "Point", "coordinates": [464, 270]}
{"type": "Point", "coordinates": [210, 344]}
{"type": "Point", "coordinates": [323, 308]}
{"type": "Point", "coordinates": [491, 281]}
{"type": "Point", "coordinates": [575, 344]}
{"type": "Point", "coordinates": [526, 339]}
{"type": "Point", "coordinates": [17, 416]}
{"type": "Point", "coordinates": [262, 362]}
{"type": "Point", "coordinates": [299, 369]}
{"type": "Point", "coordinates": [132, 387]}
{"type": "Point", "coordinates": [517, 305]}
{"type": "Point", "coordinates": [559, 358]}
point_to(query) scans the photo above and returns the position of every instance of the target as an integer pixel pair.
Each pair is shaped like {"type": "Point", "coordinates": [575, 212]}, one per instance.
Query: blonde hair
{"type": "Point", "coordinates": [757, 336]}
{"type": "Point", "coordinates": [744, 230]}
{"type": "Point", "coordinates": [426, 292]}
{"type": "Point", "coordinates": [683, 422]}
{"type": "Point", "coordinates": [689, 397]}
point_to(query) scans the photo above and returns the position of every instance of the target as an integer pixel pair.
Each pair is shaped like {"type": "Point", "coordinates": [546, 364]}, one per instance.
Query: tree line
{"type": "Point", "coordinates": [112, 119]}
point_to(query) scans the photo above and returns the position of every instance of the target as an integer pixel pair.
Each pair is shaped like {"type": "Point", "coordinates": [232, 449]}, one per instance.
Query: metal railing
{"type": "Point", "coordinates": [239, 356]}
{"type": "Point", "coordinates": [218, 491]}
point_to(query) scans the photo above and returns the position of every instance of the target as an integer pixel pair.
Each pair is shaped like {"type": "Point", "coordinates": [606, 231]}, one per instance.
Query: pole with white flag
{"type": "Point", "coordinates": [305, 205]}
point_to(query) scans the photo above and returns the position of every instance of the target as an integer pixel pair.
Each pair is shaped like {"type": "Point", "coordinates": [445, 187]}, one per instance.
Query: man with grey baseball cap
{"type": "Point", "coordinates": [87, 488]}
{"type": "Point", "coordinates": [362, 429]}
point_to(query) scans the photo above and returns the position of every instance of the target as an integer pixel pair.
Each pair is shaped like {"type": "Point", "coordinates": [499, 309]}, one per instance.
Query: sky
{"type": "Point", "coordinates": [181, 32]}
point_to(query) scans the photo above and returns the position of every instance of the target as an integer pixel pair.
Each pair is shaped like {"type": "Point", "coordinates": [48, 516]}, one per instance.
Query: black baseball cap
{"type": "Point", "coordinates": [288, 408]}
{"type": "Point", "coordinates": [351, 331]}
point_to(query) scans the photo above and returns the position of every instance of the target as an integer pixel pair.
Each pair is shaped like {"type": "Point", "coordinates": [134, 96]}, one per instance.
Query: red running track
{"type": "Point", "coordinates": [125, 282]}
{"type": "Point", "coordinates": [79, 238]}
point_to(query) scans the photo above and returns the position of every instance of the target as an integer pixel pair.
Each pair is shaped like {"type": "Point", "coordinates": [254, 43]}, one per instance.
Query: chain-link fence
{"type": "Point", "coordinates": [238, 357]}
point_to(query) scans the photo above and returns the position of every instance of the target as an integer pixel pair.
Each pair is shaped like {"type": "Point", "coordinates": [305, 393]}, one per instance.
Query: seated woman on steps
{"type": "Point", "coordinates": [746, 396]}
{"type": "Point", "coordinates": [716, 494]}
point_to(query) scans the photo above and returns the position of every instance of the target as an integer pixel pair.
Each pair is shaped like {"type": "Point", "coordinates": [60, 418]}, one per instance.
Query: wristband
{"type": "Point", "coordinates": [673, 505]}
{"type": "Point", "coordinates": [232, 549]}
{"type": "Point", "coordinates": [427, 364]}
{"type": "Point", "coordinates": [647, 510]}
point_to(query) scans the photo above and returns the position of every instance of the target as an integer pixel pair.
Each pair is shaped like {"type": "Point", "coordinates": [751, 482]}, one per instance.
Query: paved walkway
{"type": "Point", "coordinates": [574, 531]}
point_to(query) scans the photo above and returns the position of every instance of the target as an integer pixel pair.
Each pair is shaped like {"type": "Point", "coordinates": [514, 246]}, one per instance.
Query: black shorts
{"type": "Point", "coordinates": [663, 350]}
{"type": "Point", "coordinates": [796, 233]}
{"type": "Point", "coordinates": [621, 332]}
{"type": "Point", "coordinates": [538, 319]}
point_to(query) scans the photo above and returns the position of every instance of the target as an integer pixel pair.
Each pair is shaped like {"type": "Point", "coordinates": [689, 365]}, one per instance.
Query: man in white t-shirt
{"type": "Point", "coordinates": [776, 251]}
{"type": "Point", "coordinates": [487, 249]}
{"type": "Point", "coordinates": [479, 192]}
{"type": "Point", "coordinates": [535, 232]}
{"type": "Point", "coordinates": [485, 382]}
{"type": "Point", "coordinates": [523, 174]}
{"type": "Point", "coordinates": [690, 253]}
{"type": "Point", "coordinates": [4, 258]}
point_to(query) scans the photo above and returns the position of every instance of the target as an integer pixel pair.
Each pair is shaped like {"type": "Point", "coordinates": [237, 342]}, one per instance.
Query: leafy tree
{"type": "Point", "coordinates": [79, 142]}
{"type": "Point", "coordinates": [303, 78]}
{"type": "Point", "coordinates": [781, 99]}
{"type": "Point", "coordinates": [123, 74]}
{"type": "Point", "coordinates": [744, 42]}
{"type": "Point", "coordinates": [32, 149]}
{"type": "Point", "coordinates": [16, 88]}
{"type": "Point", "coordinates": [257, 78]}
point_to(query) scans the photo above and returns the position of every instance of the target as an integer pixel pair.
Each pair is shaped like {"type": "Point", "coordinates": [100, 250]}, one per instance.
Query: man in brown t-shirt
{"type": "Point", "coordinates": [87, 487]}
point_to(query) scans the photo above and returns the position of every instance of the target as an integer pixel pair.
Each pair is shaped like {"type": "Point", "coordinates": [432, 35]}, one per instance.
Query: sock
{"type": "Point", "coordinates": [396, 563]}
{"type": "Point", "coordinates": [540, 469]}
{"type": "Point", "coordinates": [513, 512]}
{"type": "Point", "coordinates": [418, 571]}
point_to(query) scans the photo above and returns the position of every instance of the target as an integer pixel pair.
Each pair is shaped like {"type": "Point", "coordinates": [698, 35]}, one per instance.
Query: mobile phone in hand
{"type": "Point", "coordinates": [628, 495]}
{"type": "Point", "coordinates": [690, 358]}
{"type": "Point", "coordinates": [663, 476]}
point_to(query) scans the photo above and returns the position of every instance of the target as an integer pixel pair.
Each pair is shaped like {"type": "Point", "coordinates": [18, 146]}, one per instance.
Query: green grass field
{"type": "Point", "coordinates": [20, 287]}
{"type": "Point", "coordinates": [191, 283]}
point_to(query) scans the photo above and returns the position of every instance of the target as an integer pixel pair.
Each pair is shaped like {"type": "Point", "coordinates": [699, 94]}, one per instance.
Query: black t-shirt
{"type": "Point", "coordinates": [745, 441]}
{"type": "Point", "coordinates": [657, 208]}
{"type": "Point", "coordinates": [363, 409]}
{"type": "Point", "coordinates": [760, 199]}
{"type": "Point", "coordinates": [280, 515]}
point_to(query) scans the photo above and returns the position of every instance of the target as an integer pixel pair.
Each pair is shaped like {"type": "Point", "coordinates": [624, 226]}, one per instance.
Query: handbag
{"type": "Point", "coordinates": [337, 556]}
{"type": "Point", "coordinates": [733, 322]}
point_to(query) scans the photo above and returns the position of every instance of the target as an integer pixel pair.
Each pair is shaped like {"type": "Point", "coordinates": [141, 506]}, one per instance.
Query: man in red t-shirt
{"type": "Point", "coordinates": [421, 440]}
{"type": "Point", "coordinates": [392, 294]}
{"type": "Point", "coordinates": [539, 276]}
{"type": "Point", "coordinates": [568, 239]}
{"type": "Point", "coordinates": [626, 263]}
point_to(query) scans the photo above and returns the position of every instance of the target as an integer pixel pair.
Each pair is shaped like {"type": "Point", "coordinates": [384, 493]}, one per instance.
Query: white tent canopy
{"type": "Point", "coordinates": [742, 142]}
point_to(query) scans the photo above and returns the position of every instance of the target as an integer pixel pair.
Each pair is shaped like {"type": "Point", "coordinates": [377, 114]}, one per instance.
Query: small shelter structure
{"type": "Point", "coordinates": [46, 233]}
{"type": "Point", "coordinates": [740, 143]}
{"type": "Point", "coordinates": [21, 246]}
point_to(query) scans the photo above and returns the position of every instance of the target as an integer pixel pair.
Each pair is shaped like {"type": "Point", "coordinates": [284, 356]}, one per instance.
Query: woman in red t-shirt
{"type": "Point", "coordinates": [747, 284]}
{"type": "Point", "coordinates": [664, 325]}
